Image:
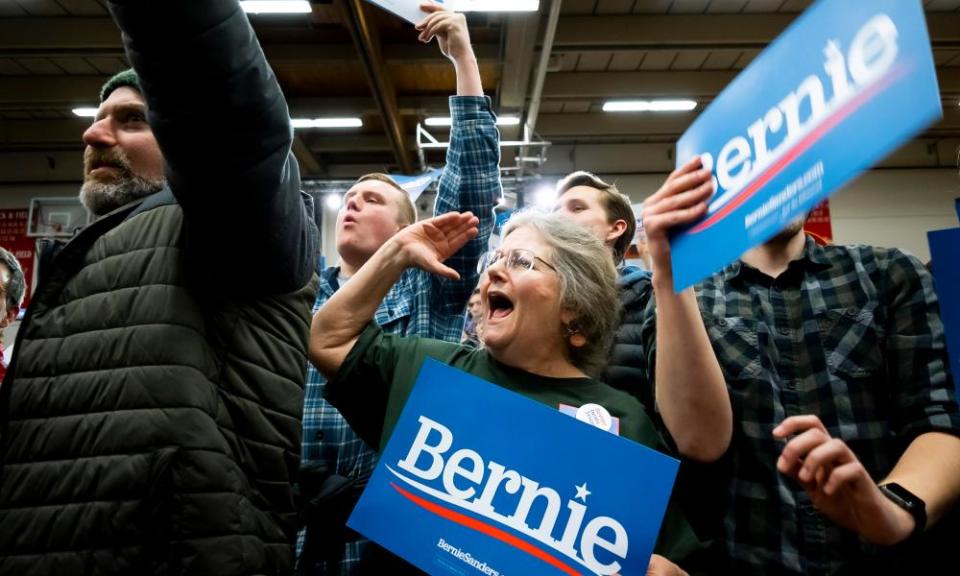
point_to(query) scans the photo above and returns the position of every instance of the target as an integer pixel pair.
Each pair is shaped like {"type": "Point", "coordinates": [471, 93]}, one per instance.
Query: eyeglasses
{"type": "Point", "coordinates": [518, 259]}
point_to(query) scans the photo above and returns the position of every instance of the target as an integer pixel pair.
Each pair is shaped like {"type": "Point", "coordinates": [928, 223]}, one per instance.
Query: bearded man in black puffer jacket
{"type": "Point", "coordinates": [151, 413]}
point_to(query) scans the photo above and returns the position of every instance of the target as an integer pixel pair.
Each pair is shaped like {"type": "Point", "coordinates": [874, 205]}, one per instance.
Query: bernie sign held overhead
{"type": "Point", "coordinates": [841, 88]}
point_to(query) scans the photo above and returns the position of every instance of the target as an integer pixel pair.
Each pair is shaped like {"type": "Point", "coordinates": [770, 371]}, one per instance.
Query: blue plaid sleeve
{"type": "Point", "coordinates": [470, 183]}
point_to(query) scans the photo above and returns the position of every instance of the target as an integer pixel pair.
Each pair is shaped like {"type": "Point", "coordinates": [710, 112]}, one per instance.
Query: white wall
{"type": "Point", "coordinates": [896, 208]}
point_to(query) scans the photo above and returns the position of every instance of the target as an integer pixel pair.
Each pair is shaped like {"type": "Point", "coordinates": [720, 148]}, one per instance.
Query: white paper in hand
{"type": "Point", "coordinates": [409, 10]}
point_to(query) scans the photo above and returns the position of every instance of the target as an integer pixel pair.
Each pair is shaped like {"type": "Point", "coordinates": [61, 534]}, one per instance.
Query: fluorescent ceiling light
{"type": "Point", "coordinates": [276, 6]}
{"type": "Point", "coordinates": [495, 5]}
{"type": "Point", "coordinates": [85, 112]}
{"type": "Point", "coordinates": [649, 106]}
{"type": "Point", "coordinates": [326, 122]}
{"type": "Point", "coordinates": [446, 121]}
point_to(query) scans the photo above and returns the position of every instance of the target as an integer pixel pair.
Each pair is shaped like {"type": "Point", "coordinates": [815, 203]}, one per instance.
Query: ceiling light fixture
{"type": "Point", "coordinates": [301, 123]}
{"type": "Point", "coordinates": [649, 105]}
{"type": "Point", "coordinates": [276, 6]}
{"type": "Point", "coordinates": [495, 5]}
{"type": "Point", "coordinates": [85, 112]}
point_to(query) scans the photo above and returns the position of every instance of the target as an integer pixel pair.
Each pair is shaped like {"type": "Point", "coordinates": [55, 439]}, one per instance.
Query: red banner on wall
{"type": "Point", "coordinates": [13, 237]}
{"type": "Point", "coordinates": [818, 223]}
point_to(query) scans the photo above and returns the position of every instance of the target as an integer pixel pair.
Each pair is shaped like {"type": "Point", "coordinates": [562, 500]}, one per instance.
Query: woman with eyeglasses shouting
{"type": "Point", "coordinates": [550, 308]}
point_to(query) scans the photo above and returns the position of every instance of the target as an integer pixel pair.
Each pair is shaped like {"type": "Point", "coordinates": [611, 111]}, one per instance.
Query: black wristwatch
{"type": "Point", "coordinates": [909, 502]}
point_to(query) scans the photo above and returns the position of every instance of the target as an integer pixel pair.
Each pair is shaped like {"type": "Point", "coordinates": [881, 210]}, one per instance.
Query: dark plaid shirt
{"type": "Point", "coordinates": [850, 334]}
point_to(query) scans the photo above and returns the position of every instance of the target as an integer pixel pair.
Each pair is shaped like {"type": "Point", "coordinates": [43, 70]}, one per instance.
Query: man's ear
{"type": "Point", "coordinates": [617, 229]}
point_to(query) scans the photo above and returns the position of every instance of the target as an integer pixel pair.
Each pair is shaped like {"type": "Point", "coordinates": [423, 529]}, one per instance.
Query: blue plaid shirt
{"type": "Point", "coordinates": [419, 304]}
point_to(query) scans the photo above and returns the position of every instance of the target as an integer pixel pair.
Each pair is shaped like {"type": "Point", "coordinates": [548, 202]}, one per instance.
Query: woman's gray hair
{"type": "Point", "coordinates": [588, 283]}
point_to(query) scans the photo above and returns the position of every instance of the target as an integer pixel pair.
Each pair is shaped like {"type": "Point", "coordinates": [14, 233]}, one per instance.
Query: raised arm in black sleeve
{"type": "Point", "coordinates": [223, 126]}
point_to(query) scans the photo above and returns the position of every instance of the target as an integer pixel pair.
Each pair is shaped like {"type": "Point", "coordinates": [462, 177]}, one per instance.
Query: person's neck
{"type": "Point", "coordinates": [774, 256]}
{"type": "Point", "coordinates": [349, 266]}
{"type": "Point", "coordinates": [550, 365]}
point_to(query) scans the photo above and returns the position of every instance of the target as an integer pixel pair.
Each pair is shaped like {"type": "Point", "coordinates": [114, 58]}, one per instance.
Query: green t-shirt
{"type": "Point", "coordinates": [378, 374]}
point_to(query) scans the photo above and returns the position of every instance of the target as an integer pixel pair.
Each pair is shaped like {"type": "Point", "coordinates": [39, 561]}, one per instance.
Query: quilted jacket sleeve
{"type": "Point", "coordinates": [222, 123]}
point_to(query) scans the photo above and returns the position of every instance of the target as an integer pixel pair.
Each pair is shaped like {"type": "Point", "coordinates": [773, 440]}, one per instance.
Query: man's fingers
{"type": "Point", "coordinates": [426, 20]}
{"type": "Point", "coordinates": [797, 424]}
{"type": "Point", "coordinates": [680, 200]}
{"type": "Point", "coordinates": [846, 475]}
{"type": "Point", "coordinates": [798, 448]}
{"type": "Point", "coordinates": [661, 222]}
{"type": "Point", "coordinates": [826, 456]}
{"type": "Point", "coordinates": [679, 184]}
{"type": "Point", "coordinates": [437, 25]}
{"type": "Point", "coordinates": [432, 7]}
{"type": "Point", "coordinates": [689, 166]}
{"type": "Point", "coordinates": [431, 27]}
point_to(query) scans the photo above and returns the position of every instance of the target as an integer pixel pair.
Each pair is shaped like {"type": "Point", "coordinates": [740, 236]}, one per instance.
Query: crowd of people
{"type": "Point", "coordinates": [188, 394]}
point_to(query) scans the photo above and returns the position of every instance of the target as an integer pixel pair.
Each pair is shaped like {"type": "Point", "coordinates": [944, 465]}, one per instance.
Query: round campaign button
{"type": "Point", "coordinates": [596, 415]}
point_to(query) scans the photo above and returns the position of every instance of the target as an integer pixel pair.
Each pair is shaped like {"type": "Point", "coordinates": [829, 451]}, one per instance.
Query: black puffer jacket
{"type": "Point", "coordinates": [625, 366]}
{"type": "Point", "coordinates": [151, 414]}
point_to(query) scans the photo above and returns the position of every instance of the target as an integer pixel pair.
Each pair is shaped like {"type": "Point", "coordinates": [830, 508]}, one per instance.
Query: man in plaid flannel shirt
{"type": "Point", "coordinates": [836, 367]}
{"type": "Point", "coordinates": [420, 304]}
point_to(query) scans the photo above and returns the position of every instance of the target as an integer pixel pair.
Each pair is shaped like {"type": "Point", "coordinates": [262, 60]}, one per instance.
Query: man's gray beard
{"type": "Point", "coordinates": [105, 197]}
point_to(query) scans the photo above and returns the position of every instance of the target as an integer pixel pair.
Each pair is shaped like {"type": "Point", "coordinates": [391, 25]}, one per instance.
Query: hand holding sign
{"type": "Point", "coordinates": [845, 85]}
{"type": "Point", "coordinates": [681, 200]}
{"type": "Point", "coordinates": [660, 566]}
{"type": "Point", "coordinates": [449, 28]}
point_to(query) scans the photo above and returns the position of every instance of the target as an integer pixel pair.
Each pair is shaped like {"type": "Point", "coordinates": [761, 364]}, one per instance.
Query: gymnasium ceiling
{"type": "Point", "coordinates": [55, 54]}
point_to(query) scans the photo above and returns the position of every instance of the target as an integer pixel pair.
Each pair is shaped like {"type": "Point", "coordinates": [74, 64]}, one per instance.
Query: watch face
{"type": "Point", "coordinates": [902, 496]}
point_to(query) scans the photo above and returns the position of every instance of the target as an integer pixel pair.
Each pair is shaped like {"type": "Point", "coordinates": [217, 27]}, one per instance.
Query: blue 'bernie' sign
{"type": "Point", "coordinates": [476, 479]}
{"type": "Point", "coordinates": [841, 88]}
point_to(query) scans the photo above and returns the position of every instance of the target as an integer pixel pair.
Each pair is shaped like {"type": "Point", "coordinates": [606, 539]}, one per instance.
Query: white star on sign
{"type": "Point", "coordinates": [582, 492]}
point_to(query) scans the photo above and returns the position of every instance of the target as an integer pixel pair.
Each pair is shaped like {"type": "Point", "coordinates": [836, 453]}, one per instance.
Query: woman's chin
{"type": "Point", "coordinates": [495, 342]}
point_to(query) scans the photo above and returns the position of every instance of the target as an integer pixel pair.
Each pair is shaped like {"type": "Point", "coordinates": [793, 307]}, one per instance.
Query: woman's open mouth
{"type": "Point", "coordinates": [499, 305]}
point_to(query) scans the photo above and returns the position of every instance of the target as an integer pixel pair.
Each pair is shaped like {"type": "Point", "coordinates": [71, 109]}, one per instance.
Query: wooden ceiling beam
{"type": "Point", "coordinates": [367, 43]}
